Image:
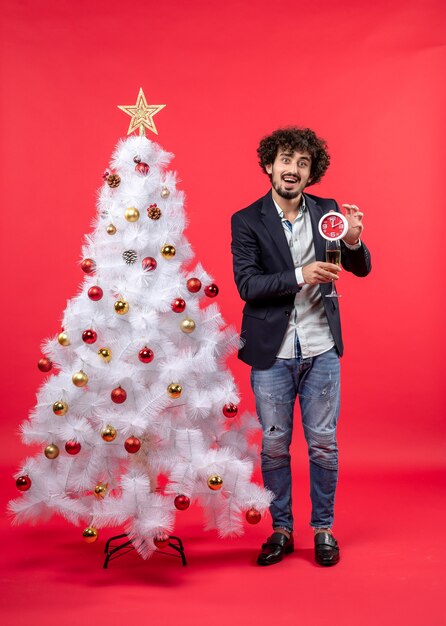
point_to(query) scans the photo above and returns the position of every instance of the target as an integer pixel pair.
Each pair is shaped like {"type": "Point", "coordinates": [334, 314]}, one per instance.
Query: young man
{"type": "Point", "coordinates": [291, 332]}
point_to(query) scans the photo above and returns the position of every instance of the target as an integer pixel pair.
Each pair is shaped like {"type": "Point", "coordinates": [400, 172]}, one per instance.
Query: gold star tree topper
{"type": "Point", "coordinates": [142, 114]}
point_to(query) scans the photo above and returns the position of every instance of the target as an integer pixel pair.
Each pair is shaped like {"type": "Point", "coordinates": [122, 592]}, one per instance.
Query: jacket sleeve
{"type": "Point", "coordinates": [253, 283]}
{"type": "Point", "coordinates": [356, 261]}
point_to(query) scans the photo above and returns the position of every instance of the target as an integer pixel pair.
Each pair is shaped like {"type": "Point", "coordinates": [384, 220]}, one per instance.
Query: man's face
{"type": "Point", "coordinates": [290, 173]}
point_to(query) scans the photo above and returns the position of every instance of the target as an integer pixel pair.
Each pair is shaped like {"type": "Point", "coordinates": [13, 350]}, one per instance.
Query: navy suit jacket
{"type": "Point", "coordinates": [265, 276]}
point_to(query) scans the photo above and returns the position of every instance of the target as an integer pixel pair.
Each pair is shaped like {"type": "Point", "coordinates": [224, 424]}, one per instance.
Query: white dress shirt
{"type": "Point", "coordinates": [308, 317]}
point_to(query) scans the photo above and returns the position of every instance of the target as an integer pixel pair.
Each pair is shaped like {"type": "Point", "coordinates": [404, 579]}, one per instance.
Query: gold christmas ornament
{"type": "Point", "coordinates": [105, 354]}
{"type": "Point", "coordinates": [100, 491]}
{"type": "Point", "coordinates": [142, 114]}
{"type": "Point", "coordinates": [111, 229]}
{"type": "Point", "coordinates": [168, 251]}
{"type": "Point", "coordinates": [113, 180]}
{"type": "Point", "coordinates": [121, 307]}
{"type": "Point", "coordinates": [80, 379]}
{"type": "Point", "coordinates": [63, 339]}
{"type": "Point", "coordinates": [187, 326]}
{"type": "Point", "coordinates": [131, 214]}
{"type": "Point", "coordinates": [60, 407]}
{"type": "Point", "coordinates": [109, 433]}
{"type": "Point", "coordinates": [90, 534]}
{"type": "Point", "coordinates": [165, 193]}
{"type": "Point", "coordinates": [215, 482]}
{"type": "Point", "coordinates": [51, 451]}
{"type": "Point", "coordinates": [174, 390]}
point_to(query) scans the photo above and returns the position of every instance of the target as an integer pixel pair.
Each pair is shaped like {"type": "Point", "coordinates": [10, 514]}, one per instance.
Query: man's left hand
{"type": "Point", "coordinates": [355, 226]}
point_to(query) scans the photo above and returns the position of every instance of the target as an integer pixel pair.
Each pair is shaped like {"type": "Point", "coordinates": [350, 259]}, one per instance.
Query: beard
{"type": "Point", "coordinates": [283, 193]}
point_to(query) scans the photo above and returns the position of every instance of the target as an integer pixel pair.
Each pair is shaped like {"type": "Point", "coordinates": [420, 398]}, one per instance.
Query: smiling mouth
{"type": "Point", "coordinates": [290, 180]}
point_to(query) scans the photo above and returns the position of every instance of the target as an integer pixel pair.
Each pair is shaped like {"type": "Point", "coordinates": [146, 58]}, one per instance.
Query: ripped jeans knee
{"type": "Point", "coordinates": [275, 447]}
{"type": "Point", "coordinates": [322, 448]}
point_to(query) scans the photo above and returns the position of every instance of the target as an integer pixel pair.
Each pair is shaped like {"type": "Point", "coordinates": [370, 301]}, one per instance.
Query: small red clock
{"type": "Point", "coordinates": [333, 226]}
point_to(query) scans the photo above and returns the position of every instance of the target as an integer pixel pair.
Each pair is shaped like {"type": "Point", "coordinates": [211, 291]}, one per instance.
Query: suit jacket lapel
{"type": "Point", "coordinates": [315, 215]}
{"type": "Point", "coordinates": [274, 226]}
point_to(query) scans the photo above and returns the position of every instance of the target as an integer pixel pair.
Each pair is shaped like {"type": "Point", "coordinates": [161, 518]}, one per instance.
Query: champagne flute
{"type": "Point", "coordinates": [333, 255]}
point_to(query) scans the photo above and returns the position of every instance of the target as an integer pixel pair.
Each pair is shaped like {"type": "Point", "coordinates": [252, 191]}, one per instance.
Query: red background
{"type": "Point", "coordinates": [367, 77]}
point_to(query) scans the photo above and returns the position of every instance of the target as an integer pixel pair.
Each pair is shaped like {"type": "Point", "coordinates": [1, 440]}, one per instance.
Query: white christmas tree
{"type": "Point", "coordinates": [139, 416]}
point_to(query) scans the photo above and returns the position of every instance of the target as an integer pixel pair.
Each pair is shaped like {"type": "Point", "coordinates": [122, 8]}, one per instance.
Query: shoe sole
{"type": "Point", "coordinates": [328, 563]}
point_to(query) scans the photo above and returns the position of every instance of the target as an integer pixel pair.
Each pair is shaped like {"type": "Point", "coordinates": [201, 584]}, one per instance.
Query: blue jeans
{"type": "Point", "coordinates": [316, 381]}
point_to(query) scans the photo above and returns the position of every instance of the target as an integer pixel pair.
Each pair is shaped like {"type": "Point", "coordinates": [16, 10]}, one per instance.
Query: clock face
{"type": "Point", "coordinates": [333, 226]}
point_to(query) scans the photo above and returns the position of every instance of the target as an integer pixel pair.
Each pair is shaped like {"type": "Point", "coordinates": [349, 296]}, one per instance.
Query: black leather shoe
{"type": "Point", "coordinates": [326, 549]}
{"type": "Point", "coordinates": [275, 547]}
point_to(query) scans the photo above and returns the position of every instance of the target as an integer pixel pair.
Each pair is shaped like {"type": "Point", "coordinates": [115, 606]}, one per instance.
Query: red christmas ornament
{"type": "Point", "coordinates": [230, 410]}
{"type": "Point", "coordinates": [132, 445]}
{"type": "Point", "coordinates": [161, 542]}
{"type": "Point", "coordinates": [44, 365]}
{"type": "Point", "coordinates": [253, 516]}
{"type": "Point", "coordinates": [178, 305]}
{"type": "Point", "coordinates": [145, 355]}
{"type": "Point", "coordinates": [88, 266]}
{"type": "Point", "coordinates": [119, 395]}
{"type": "Point", "coordinates": [89, 336]}
{"type": "Point", "coordinates": [73, 447]}
{"type": "Point", "coordinates": [194, 285]}
{"type": "Point", "coordinates": [142, 168]}
{"type": "Point", "coordinates": [149, 264]}
{"type": "Point", "coordinates": [23, 483]}
{"type": "Point", "coordinates": [181, 502]}
{"type": "Point", "coordinates": [95, 293]}
{"type": "Point", "coordinates": [211, 290]}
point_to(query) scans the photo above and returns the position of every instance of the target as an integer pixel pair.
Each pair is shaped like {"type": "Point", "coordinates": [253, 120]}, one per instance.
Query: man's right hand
{"type": "Point", "coordinates": [320, 272]}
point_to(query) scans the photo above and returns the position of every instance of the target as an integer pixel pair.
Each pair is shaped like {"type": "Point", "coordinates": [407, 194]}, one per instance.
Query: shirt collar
{"type": "Point", "coordinates": [302, 207]}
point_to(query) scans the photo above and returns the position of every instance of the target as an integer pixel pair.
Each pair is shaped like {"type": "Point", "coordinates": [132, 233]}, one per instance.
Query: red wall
{"type": "Point", "coordinates": [369, 77]}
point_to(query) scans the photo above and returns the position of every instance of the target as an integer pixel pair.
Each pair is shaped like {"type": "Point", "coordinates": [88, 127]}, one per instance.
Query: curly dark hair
{"type": "Point", "coordinates": [300, 139]}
